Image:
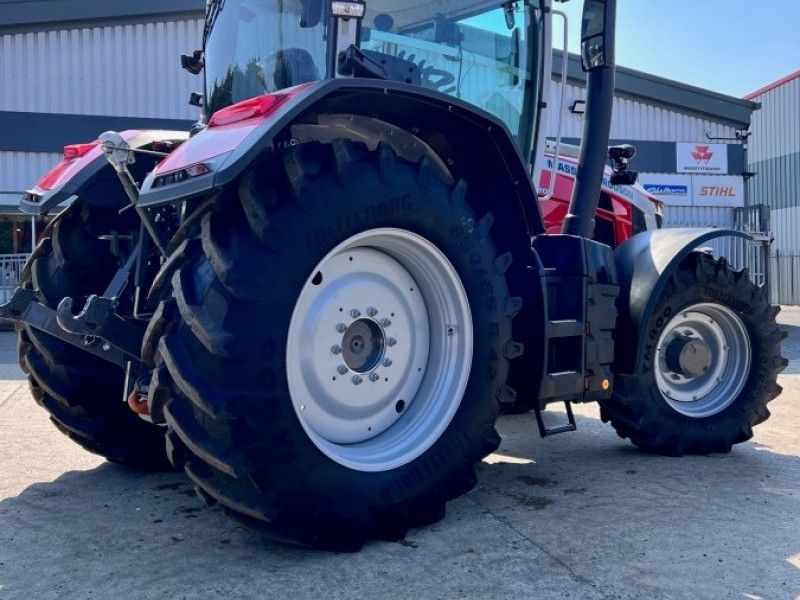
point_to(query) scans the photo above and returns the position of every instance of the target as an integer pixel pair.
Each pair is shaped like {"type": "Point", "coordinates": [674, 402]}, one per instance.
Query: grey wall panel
{"type": "Point", "coordinates": [775, 156]}
{"type": "Point", "coordinates": [777, 182]}
{"type": "Point", "coordinates": [776, 127]}
{"type": "Point", "coordinates": [38, 132]}
{"type": "Point", "coordinates": [636, 119]}
{"type": "Point", "coordinates": [132, 70]}
{"type": "Point", "coordinates": [20, 170]}
{"type": "Point", "coordinates": [664, 92]}
{"type": "Point", "coordinates": [25, 13]}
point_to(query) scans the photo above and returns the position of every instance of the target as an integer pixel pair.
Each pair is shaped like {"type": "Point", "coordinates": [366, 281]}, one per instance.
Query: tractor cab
{"type": "Point", "coordinates": [487, 54]}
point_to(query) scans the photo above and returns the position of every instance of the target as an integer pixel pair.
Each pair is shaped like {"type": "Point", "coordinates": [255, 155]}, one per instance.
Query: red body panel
{"type": "Point", "coordinates": [227, 129]}
{"type": "Point", "coordinates": [555, 209]}
{"type": "Point", "coordinates": [76, 158]}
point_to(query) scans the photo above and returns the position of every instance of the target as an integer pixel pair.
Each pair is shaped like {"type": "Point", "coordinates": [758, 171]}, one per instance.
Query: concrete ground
{"type": "Point", "coordinates": [583, 515]}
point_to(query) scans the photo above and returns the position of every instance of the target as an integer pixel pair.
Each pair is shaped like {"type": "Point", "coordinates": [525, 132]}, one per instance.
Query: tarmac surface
{"type": "Point", "coordinates": [583, 515]}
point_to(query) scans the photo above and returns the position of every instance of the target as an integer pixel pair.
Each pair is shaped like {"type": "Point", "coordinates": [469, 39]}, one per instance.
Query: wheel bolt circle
{"type": "Point", "coordinates": [343, 369]}
{"type": "Point", "coordinates": [336, 350]}
{"type": "Point", "coordinates": [391, 342]}
{"type": "Point", "coordinates": [388, 363]}
{"type": "Point", "coordinates": [357, 380]}
{"type": "Point", "coordinates": [374, 377]}
{"type": "Point", "coordinates": [341, 328]}
{"type": "Point", "coordinates": [386, 323]}
{"type": "Point", "coordinates": [355, 313]}
{"type": "Point", "coordinates": [372, 311]}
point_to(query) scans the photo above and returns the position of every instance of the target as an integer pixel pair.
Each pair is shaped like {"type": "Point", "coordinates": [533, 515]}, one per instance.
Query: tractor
{"type": "Point", "coordinates": [318, 300]}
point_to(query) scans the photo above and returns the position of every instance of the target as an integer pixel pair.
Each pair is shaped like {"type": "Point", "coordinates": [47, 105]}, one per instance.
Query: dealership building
{"type": "Point", "coordinates": [74, 68]}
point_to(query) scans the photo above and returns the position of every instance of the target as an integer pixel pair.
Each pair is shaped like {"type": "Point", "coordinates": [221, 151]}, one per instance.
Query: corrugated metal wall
{"type": "Point", "coordinates": [18, 170]}
{"type": "Point", "coordinates": [774, 154]}
{"type": "Point", "coordinates": [635, 120]}
{"type": "Point", "coordinates": [128, 70]}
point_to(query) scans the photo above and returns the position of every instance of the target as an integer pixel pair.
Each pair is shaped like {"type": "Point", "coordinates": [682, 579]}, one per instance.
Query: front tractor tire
{"type": "Point", "coordinates": [338, 347]}
{"type": "Point", "coordinates": [83, 394]}
{"type": "Point", "coordinates": [709, 367]}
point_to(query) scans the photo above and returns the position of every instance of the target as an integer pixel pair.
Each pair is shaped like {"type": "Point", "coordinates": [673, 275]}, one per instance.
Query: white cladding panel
{"type": "Point", "coordinates": [634, 119]}
{"type": "Point", "coordinates": [131, 70]}
{"type": "Point", "coordinates": [20, 170]}
{"type": "Point", "coordinates": [776, 127]}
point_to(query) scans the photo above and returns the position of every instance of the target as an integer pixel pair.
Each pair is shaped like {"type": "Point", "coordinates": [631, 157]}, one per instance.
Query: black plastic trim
{"type": "Point", "coordinates": [644, 265]}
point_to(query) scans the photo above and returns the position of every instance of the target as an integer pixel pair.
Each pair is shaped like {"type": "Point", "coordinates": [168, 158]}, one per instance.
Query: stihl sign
{"type": "Point", "coordinates": [716, 191]}
{"type": "Point", "coordinates": [702, 158]}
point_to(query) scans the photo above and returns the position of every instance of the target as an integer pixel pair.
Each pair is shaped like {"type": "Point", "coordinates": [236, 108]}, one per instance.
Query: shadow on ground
{"type": "Point", "coordinates": [583, 516]}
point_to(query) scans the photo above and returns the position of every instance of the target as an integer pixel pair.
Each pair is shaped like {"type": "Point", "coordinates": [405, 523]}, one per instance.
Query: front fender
{"type": "Point", "coordinates": [644, 265]}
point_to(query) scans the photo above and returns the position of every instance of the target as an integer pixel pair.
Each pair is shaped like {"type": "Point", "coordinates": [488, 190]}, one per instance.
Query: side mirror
{"type": "Point", "coordinates": [597, 34]}
{"type": "Point", "coordinates": [193, 63]}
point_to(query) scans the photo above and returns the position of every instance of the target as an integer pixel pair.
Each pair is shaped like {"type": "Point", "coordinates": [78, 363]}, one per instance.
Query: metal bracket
{"type": "Point", "coordinates": [24, 307]}
{"type": "Point", "coordinates": [98, 318]}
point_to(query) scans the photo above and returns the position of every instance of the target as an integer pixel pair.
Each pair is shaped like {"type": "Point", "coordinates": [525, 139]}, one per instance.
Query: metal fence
{"type": "Point", "coordinates": [11, 266]}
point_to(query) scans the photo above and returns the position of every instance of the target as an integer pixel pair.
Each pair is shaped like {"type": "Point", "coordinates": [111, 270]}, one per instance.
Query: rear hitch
{"type": "Point", "coordinates": [98, 318]}
{"type": "Point", "coordinates": [25, 308]}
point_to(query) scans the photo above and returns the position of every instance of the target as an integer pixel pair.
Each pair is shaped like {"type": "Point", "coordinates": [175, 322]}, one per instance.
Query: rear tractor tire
{"type": "Point", "coordinates": [82, 393]}
{"type": "Point", "coordinates": [710, 366]}
{"type": "Point", "coordinates": [338, 347]}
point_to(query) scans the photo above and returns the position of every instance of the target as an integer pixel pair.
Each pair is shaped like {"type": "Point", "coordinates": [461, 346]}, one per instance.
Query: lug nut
{"type": "Point", "coordinates": [341, 328]}
{"type": "Point", "coordinates": [357, 380]}
{"type": "Point", "coordinates": [388, 363]}
{"type": "Point", "coordinates": [374, 377]}
{"type": "Point", "coordinates": [106, 347]}
{"type": "Point", "coordinates": [386, 323]}
{"type": "Point", "coordinates": [355, 313]}
{"type": "Point", "coordinates": [372, 311]}
{"type": "Point", "coordinates": [336, 350]}
{"type": "Point", "coordinates": [343, 369]}
{"type": "Point", "coordinates": [391, 342]}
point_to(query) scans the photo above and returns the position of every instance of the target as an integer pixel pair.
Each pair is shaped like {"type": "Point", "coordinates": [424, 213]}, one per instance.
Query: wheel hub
{"type": "Point", "coordinates": [688, 356]}
{"type": "Point", "coordinates": [363, 345]}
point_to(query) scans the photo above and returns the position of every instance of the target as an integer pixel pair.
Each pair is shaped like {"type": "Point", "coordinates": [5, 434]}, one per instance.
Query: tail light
{"type": "Point", "coordinates": [259, 107]}
{"type": "Point", "coordinates": [78, 150]}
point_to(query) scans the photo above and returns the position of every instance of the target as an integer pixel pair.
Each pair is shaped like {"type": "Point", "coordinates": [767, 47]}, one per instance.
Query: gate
{"type": "Point", "coordinates": [10, 268]}
{"type": "Point", "coordinates": [753, 220]}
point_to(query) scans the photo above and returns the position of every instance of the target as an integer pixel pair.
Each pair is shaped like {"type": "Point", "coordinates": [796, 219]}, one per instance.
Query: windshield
{"type": "Point", "coordinates": [255, 47]}
{"type": "Point", "coordinates": [476, 51]}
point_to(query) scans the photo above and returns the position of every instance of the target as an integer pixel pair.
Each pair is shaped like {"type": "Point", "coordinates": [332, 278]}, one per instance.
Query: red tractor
{"type": "Point", "coordinates": [321, 297]}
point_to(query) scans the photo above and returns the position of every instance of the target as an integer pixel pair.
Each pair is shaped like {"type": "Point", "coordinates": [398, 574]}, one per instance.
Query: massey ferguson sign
{"type": "Point", "coordinates": [703, 158]}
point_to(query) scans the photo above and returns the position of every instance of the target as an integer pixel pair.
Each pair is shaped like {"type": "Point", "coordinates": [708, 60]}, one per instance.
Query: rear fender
{"type": "Point", "coordinates": [468, 142]}
{"type": "Point", "coordinates": [645, 263]}
{"type": "Point", "coordinates": [88, 176]}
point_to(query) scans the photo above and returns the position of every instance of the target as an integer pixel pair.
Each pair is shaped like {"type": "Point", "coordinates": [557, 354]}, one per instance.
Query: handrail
{"type": "Point", "coordinates": [560, 107]}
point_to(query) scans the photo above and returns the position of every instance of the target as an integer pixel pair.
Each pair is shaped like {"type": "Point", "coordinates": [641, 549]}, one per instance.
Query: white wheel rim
{"type": "Point", "coordinates": [723, 334]}
{"type": "Point", "coordinates": [379, 349]}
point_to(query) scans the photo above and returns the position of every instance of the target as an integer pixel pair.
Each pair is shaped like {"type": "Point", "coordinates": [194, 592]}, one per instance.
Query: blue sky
{"type": "Point", "coordinates": [729, 46]}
